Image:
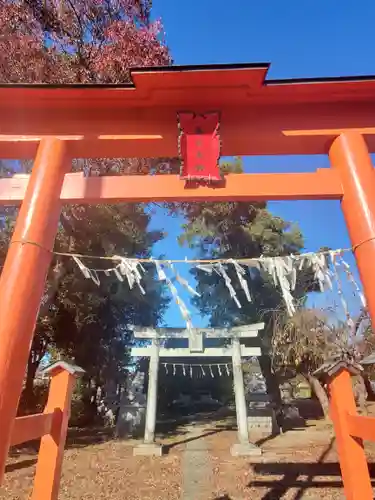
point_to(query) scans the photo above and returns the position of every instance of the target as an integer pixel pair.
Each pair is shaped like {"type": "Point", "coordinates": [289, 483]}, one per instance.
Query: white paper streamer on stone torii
{"type": "Point", "coordinates": [188, 368]}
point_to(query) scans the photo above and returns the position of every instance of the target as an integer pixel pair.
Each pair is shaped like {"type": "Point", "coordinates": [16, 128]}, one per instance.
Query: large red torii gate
{"type": "Point", "coordinates": [257, 116]}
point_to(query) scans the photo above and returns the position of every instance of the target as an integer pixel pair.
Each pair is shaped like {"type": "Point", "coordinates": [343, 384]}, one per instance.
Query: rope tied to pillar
{"type": "Point", "coordinates": [282, 269]}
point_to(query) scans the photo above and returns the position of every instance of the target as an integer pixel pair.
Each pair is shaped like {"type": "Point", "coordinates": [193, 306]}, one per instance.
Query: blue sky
{"type": "Point", "coordinates": [300, 39]}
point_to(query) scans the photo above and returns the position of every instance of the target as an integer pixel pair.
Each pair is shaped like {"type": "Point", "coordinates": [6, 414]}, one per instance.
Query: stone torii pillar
{"type": "Point", "coordinates": [149, 447]}
{"type": "Point", "coordinates": [243, 447]}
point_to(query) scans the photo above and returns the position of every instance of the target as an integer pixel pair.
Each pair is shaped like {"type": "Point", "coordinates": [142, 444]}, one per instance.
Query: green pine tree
{"type": "Point", "coordinates": [238, 230]}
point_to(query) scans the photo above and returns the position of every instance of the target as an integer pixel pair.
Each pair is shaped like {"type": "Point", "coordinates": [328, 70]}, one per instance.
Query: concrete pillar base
{"type": "Point", "coordinates": [148, 449]}
{"type": "Point", "coordinates": [245, 449]}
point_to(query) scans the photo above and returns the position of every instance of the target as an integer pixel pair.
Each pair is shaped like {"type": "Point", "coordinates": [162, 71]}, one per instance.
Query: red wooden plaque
{"type": "Point", "coordinates": [199, 146]}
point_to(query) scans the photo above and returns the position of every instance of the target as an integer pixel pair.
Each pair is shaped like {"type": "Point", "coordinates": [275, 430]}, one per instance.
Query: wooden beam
{"type": "Point", "coordinates": [185, 352]}
{"type": "Point", "coordinates": [362, 427]}
{"type": "Point", "coordinates": [322, 184]}
{"type": "Point", "coordinates": [333, 132]}
{"type": "Point", "coordinates": [149, 130]}
{"type": "Point", "coordinates": [104, 146]}
{"type": "Point", "coordinates": [31, 427]}
{"type": "Point", "coordinates": [171, 333]}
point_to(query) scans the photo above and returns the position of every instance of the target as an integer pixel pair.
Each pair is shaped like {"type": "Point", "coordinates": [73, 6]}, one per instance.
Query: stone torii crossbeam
{"type": "Point", "coordinates": [196, 348]}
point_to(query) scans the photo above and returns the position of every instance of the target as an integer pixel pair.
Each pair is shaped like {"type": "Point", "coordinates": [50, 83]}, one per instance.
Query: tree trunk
{"type": "Point", "coordinates": [28, 402]}
{"type": "Point", "coordinates": [273, 388]}
{"type": "Point", "coordinates": [319, 392]}
{"type": "Point", "coordinates": [272, 382]}
{"type": "Point", "coordinates": [369, 389]}
{"type": "Point", "coordinates": [360, 392]}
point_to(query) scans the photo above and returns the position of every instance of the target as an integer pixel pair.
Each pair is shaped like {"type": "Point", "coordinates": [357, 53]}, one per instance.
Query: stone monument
{"type": "Point", "coordinates": [261, 411]}
{"type": "Point", "coordinates": [131, 417]}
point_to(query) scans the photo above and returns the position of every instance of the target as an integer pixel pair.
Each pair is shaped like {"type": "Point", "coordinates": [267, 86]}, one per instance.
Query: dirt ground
{"type": "Point", "coordinates": [300, 464]}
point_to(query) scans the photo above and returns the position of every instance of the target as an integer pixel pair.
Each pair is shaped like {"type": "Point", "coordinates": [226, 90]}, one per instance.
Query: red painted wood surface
{"type": "Point", "coordinates": [256, 115]}
{"type": "Point", "coordinates": [23, 277]}
{"type": "Point", "coordinates": [322, 184]}
{"type": "Point", "coordinates": [31, 427]}
{"type": "Point", "coordinates": [153, 133]}
{"type": "Point", "coordinates": [362, 427]}
{"type": "Point", "coordinates": [51, 426]}
{"type": "Point", "coordinates": [51, 452]}
{"type": "Point", "coordinates": [350, 158]}
{"type": "Point", "coordinates": [353, 463]}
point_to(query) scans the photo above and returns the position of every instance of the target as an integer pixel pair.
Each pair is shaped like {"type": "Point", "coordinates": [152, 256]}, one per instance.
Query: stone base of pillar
{"type": "Point", "coordinates": [245, 449]}
{"type": "Point", "coordinates": [148, 449]}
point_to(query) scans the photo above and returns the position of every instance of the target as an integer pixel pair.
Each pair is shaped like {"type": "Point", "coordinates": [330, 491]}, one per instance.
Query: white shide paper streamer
{"type": "Point", "coordinates": [283, 270]}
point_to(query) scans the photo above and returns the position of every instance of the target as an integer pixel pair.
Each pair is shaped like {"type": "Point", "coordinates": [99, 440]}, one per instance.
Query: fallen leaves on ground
{"type": "Point", "coordinates": [299, 464]}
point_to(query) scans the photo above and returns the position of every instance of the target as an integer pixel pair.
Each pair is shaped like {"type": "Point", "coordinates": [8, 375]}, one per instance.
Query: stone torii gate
{"type": "Point", "coordinates": [196, 348]}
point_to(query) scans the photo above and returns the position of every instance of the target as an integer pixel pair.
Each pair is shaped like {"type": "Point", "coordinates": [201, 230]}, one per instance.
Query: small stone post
{"type": "Point", "coordinates": [149, 447]}
{"type": "Point", "coordinates": [243, 447]}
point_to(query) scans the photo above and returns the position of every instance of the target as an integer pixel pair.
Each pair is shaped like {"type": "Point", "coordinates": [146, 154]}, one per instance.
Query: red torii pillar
{"type": "Point", "coordinates": [23, 277]}
{"type": "Point", "coordinates": [350, 157]}
{"type": "Point", "coordinates": [350, 430]}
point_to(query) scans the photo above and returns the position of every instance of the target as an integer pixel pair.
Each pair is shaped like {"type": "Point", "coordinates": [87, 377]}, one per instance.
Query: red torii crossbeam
{"type": "Point", "coordinates": [324, 184]}
{"type": "Point", "coordinates": [257, 116]}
